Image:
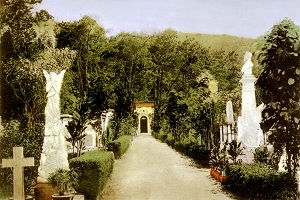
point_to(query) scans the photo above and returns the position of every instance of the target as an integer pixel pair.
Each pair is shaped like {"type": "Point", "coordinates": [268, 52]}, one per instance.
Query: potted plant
{"type": "Point", "coordinates": [214, 160]}
{"type": "Point", "coordinates": [235, 150]}
{"type": "Point", "coordinates": [218, 161]}
{"type": "Point", "coordinates": [65, 181]}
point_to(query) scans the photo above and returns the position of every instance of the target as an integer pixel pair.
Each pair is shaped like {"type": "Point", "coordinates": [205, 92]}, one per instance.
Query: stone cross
{"type": "Point", "coordinates": [18, 163]}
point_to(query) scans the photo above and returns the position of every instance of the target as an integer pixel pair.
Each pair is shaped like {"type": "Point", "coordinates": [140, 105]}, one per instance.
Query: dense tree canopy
{"type": "Point", "coordinates": [280, 83]}
{"type": "Point", "coordinates": [118, 71]}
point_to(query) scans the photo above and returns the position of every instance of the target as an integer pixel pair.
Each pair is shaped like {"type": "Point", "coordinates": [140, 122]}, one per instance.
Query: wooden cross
{"type": "Point", "coordinates": [18, 163]}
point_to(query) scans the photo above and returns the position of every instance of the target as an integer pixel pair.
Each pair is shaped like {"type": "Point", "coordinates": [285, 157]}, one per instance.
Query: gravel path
{"type": "Point", "coordinates": [152, 170]}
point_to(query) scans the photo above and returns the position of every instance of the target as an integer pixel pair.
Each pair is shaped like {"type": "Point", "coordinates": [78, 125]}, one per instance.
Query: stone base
{"type": "Point", "coordinates": [44, 191]}
{"type": "Point", "coordinates": [249, 155]}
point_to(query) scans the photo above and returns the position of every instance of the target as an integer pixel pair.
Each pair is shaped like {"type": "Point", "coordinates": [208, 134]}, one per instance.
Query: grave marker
{"type": "Point", "coordinates": [229, 113]}
{"type": "Point", "coordinates": [18, 162]}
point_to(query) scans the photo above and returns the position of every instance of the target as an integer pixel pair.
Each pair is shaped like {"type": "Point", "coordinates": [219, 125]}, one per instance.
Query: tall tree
{"type": "Point", "coordinates": [16, 34]}
{"type": "Point", "coordinates": [279, 83]}
{"type": "Point", "coordinates": [23, 72]}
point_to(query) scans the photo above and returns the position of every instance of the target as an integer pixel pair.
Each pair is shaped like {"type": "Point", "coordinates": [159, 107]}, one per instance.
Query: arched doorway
{"type": "Point", "coordinates": [144, 124]}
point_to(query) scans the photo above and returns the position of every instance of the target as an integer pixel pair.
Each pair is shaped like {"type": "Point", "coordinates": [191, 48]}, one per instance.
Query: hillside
{"type": "Point", "coordinates": [225, 42]}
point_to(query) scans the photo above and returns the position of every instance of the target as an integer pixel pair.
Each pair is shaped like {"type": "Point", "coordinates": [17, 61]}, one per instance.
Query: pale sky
{"type": "Point", "coordinates": [251, 18]}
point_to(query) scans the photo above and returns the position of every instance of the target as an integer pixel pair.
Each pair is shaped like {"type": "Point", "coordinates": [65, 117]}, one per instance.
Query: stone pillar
{"type": "Point", "coordinates": [248, 95]}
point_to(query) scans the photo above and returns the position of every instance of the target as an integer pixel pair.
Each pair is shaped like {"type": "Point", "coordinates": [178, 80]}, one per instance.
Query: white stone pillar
{"type": "Point", "coordinates": [248, 95]}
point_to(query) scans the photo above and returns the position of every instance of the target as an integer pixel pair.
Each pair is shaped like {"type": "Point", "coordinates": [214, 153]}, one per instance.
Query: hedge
{"type": "Point", "coordinates": [119, 146]}
{"type": "Point", "coordinates": [258, 181]}
{"type": "Point", "coordinates": [93, 168]}
{"type": "Point", "coordinates": [162, 137]}
{"type": "Point", "coordinates": [195, 151]}
{"type": "Point", "coordinates": [191, 149]}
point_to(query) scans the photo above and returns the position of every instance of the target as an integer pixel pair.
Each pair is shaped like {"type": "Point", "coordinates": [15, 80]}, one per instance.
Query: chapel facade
{"type": "Point", "coordinates": [144, 111]}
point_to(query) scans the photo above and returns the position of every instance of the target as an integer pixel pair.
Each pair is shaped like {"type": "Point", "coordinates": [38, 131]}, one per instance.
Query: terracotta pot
{"type": "Point", "coordinates": [44, 191]}
{"type": "Point", "coordinates": [212, 171]}
{"type": "Point", "coordinates": [222, 178]}
{"type": "Point", "coordinates": [64, 197]}
{"type": "Point", "coordinates": [217, 175]}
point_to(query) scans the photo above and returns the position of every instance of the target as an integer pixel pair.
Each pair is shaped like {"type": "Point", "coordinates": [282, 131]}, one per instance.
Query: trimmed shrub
{"type": "Point", "coordinates": [191, 149]}
{"type": "Point", "coordinates": [162, 137]}
{"type": "Point", "coordinates": [119, 146]}
{"type": "Point", "coordinates": [93, 168]}
{"type": "Point", "coordinates": [197, 152]}
{"type": "Point", "coordinates": [258, 181]}
{"type": "Point", "coordinates": [170, 141]}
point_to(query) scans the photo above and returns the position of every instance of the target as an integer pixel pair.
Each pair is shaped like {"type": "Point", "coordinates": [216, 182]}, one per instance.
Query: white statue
{"type": "Point", "coordinates": [249, 131]}
{"type": "Point", "coordinates": [248, 64]}
{"type": "Point", "coordinates": [54, 154]}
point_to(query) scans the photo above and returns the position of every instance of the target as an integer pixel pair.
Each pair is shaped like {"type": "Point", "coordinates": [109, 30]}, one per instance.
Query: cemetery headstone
{"type": "Point", "coordinates": [90, 138]}
{"type": "Point", "coordinates": [18, 162]}
{"type": "Point", "coordinates": [229, 113]}
{"type": "Point", "coordinates": [54, 153]}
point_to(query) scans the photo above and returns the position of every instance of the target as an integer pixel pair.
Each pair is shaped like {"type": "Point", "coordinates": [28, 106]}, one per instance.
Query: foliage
{"type": "Point", "coordinates": [120, 145]}
{"type": "Point", "coordinates": [189, 148]}
{"type": "Point", "coordinates": [27, 47]}
{"type": "Point", "coordinates": [234, 150]}
{"type": "Point", "coordinates": [222, 153]}
{"type": "Point", "coordinates": [107, 135]}
{"type": "Point", "coordinates": [127, 126]}
{"type": "Point", "coordinates": [223, 42]}
{"type": "Point", "coordinates": [93, 169]}
{"type": "Point", "coordinates": [258, 181]}
{"type": "Point", "coordinates": [76, 131]}
{"type": "Point", "coordinates": [82, 91]}
{"type": "Point", "coordinates": [25, 78]}
{"type": "Point", "coordinates": [16, 134]}
{"type": "Point", "coordinates": [161, 136]}
{"type": "Point", "coordinates": [218, 157]}
{"type": "Point", "coordinates": [280, 58]}
{"type": "Point", "coordinates": [16, 26]}
{"type": "Point", "coordinates": [195, 151]}
{"type": "Point", "coordinates": [264, 156]}
{"type": "Point", "coordinates": [64, 180]}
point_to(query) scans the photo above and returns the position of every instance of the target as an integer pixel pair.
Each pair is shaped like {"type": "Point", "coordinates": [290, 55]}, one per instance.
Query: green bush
{"type": "Point", "coordinates": [198, 153]}
{"type": "Point", "coordinates": [193, 150]}
{"type": "Point", "coordinates": [170, 141]}
{"type": "Point", "coordinates": [262, 155]}
{"type": "Point", "coordinates": [15, 133]}
{"type": "Point", "coordinates": [93, 169]}
{"type": "Point", "coordinates": [119, 146]}
{"type": "Point", "coordinates": [162, 137]}
{"type": "Point", "coordinates": [258, 181]}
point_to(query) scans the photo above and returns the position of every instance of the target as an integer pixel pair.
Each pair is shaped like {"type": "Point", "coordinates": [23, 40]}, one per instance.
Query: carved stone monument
{"type": "Point", "coordinates": [249, 131]}
{"type": "Point", "coordinates": [54, 154]}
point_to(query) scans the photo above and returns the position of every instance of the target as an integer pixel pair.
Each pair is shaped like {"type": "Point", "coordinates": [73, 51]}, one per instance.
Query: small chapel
{"type": "Point", "coordinates": [144, 111]}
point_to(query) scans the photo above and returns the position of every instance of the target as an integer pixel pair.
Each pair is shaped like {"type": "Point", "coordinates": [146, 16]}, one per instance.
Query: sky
{"type": "Point", "coordinates": [243, 18]}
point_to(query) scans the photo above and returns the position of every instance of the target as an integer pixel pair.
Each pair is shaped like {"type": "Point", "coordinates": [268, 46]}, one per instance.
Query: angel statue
{"type": "Point", "coordinates": [248, 64]}
{"type": "Point", "coordinates": [54, 154]}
